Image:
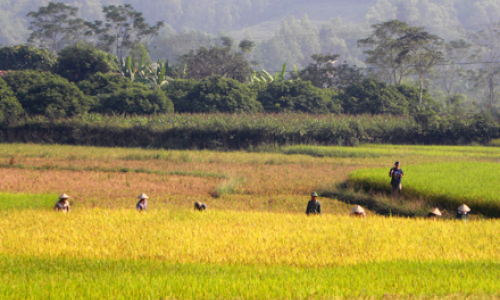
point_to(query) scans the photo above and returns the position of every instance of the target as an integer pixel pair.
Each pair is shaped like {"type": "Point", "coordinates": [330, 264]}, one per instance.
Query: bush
{"type": "Point", "coordinates": [47, 94]}
{"type": "Point", "coordinates": [374, 97]}
{"type": "Point", "coordinates": [77, 63]}
{"type": "Point", "coordinates": [178, 91]}
{"type": "Point", "coordinates": [105, 84]}
{"type": "Point", "coordinates": [137, 100]}
{"type": "Point", "coordinates": [10, 108]}
{"type": "Point", "coordinates": [298, 96]}
{"type": "Point", "coordinates": [26, 58]}
{"type": "Point", "coordinates": [218, 94]}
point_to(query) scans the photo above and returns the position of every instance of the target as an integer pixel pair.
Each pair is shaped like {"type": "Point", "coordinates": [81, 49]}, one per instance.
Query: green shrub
{"type": "Point", "coordinates": [10, 108]}
{"type": "Point", "coordinates": [47, 94]}
{"type": "Point", "coordinates": [26, 58]}
{"type": "Point", "coordinates": [281, 96]}
{"type": "Point", "coordinates": [77, 63]}
{"type": "Point", "coordinates": [178, 91]}
{"type": "Point", "coordinates": [137, 100]}
{"type": "Point", "coordinates": [105, 84]}
{"type": "Point", "coordinates": [218, 94]}
{"type": "Point", "coordinates": [374, 97]}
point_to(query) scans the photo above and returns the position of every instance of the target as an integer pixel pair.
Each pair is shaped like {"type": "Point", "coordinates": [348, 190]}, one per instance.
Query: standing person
{"type": "Point", "coordinates": [396, 175]}
{"type": "Point", "coordinates": [62, 204]}
{"type": "Point", "coordinates": [313, 207]}
{"type": "Point", "coordinates": [143, 203]}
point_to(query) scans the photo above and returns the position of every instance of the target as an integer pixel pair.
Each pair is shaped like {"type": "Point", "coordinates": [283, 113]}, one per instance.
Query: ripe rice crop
{"type": "Point", "coordinates": [445, 184]}
{"type": "Point", "coordinates": [243, 238]}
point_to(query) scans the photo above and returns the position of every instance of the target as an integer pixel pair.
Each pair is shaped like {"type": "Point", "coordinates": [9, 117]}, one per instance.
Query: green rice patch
{"type": "Point", "coordinates": [42, 278]}
{"type": "Point", "coordinates": [446, 184]}
{"type": "Point", "coordinates": [27, 201]}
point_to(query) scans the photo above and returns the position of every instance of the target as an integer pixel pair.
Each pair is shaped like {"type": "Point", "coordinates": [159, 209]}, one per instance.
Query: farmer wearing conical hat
{"type": "Point", "coordinates": [434, 213]}
{"type": "Point", "coordinates": [62, 204]}
{"type": "Point", "coordinates": [143, 203]}
{"type": "Point", "coordinates": [463, 212]}
{"type": "Point", "coordinates": [396, 175]}
{"type": "Point", "coordinates": [358, 211]}
{"type": "Point", "coordinates": [313, 207]}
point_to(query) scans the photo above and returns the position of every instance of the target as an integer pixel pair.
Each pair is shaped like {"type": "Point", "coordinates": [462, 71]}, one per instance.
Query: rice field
{"type": "Point", "coordinates": [446, 184]}
{"type": "Point", "coordinates": [254, 242]}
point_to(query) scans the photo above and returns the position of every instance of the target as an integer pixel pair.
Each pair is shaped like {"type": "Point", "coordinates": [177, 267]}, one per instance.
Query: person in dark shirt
{"type": "Point", "coordinates": [313, 207]}
{"type": "Point", "coordinates": [142, 205]}
{"type": "Point", "coordinates": [396, 175]}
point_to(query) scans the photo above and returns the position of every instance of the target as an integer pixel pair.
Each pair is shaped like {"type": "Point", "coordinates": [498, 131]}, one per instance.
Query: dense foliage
{"type": "Point", "coordinates": [245, 131]}
{"type": "Point", "coordinates": [77, 63]}
{"type": "Point", "coordinates": [10, 108]}
{"type": "Point", "coordinates": [218, 94]}
{"type": "Point", "coordinates": [136, 100]}
{"type": "Point", "coordinates": [47, 94]}
{"type": "Point", "coordinates": [26, 58]}
{"type": "Point", "coordinates": [298, 96]}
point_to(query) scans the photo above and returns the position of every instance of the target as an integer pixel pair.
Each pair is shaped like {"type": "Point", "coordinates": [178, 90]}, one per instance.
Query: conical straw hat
{"type": "Point", "coordinates": [436, 212]}
{"type": "Point", "coordinates": [358, 209]}
{"type": "Point", "coordinates": [64, 196]}
{"type": "Point", "coordinates": [143, 196]}
{"type": "Point", "coordinates": [464, 208]}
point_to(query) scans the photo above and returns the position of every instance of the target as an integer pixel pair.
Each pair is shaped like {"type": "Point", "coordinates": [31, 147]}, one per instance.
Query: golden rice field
{"type": "Point", "coordinates": [254, 242]}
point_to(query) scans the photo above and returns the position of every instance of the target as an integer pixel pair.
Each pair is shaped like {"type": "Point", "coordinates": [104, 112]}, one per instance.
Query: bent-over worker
{"type": "Point", "coordinates": [62, 204]}
{"type": "Point", "coordinates": [200, 206]}
{"type": "Point", "coordinates": [143, 203]}
{"type": "Point", "coordinates": [358, 211]}
{"type": "Point", "coordinates": [313, 206]}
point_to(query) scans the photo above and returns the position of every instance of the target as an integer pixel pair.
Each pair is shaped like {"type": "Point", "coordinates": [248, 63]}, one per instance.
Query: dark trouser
{"type": "Point", "coordinates": [396, 189]}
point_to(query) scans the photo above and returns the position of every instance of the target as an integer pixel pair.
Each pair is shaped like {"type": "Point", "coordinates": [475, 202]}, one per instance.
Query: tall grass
{"type": "Point", "coordinates": [247, 131]}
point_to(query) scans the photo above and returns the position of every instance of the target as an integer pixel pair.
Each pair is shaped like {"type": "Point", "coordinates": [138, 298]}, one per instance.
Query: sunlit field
{"type": "Point", "coordinates": [254, 242]}
{"type": "Point", "coordinates": [448, 184]}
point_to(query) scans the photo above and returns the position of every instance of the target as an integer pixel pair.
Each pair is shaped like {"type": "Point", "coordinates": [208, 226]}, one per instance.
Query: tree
{"type": "Point", "coordinates": [123, 28]}
{"type": "Point", "coordinates": [47, 94]}
{"type": "Point", "coordinates": [214, 61]}
{"type": "Point", "coordinates": [138, 100]}
{"type": "Point", "coordinates": [323, 72]}
{"type": "Point", "coordinates": [384, 49]}
{"type": "Point", "coordinates": [422, 51]}
{"type": "Point", "coordinates": [456, 52]}
{"type": "Point", "coordinates": [10, 108]}
{"type": "Point", "coordinates": [374, 97]}
{"type": "Point", "coordinates": [298, 96]}
{"type": "Point", "coordinates": [487, 51]}
{"type": "Point", "coordinates": [179, 90]}
{"type": "Point", "coordinates": [54, 25]}
{"type": "Point", "coordinates": [225, 95]}
{"type": "Point", "coordinates": [77, 63]}
{"type": "Point", "coordinates": [104, 84]}
{"type": "Point", "coordinates": [26, 57]}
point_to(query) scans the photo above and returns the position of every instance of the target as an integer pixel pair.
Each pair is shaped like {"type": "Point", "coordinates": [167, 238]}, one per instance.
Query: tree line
{"type": "Point", "coordinates": [105, 67]}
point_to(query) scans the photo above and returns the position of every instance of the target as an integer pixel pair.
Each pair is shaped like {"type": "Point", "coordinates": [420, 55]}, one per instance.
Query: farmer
{"type": "Point", "coordinates": [200, 206]}
{"type": "Point", "coordinates": [62, 204]}
{"type": "Point", "coordinates": [396, 175]}
{"type": "Point", "coordinates": [433, 214]}
{"type": "Point", "coordinates": [143, 203]}
{"type": "Point", "coordinates": [358, 211]}
{"type": "Point", "coordinates": [313, 207]}
{"type": "Point", "coordinates": [463, 212]}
